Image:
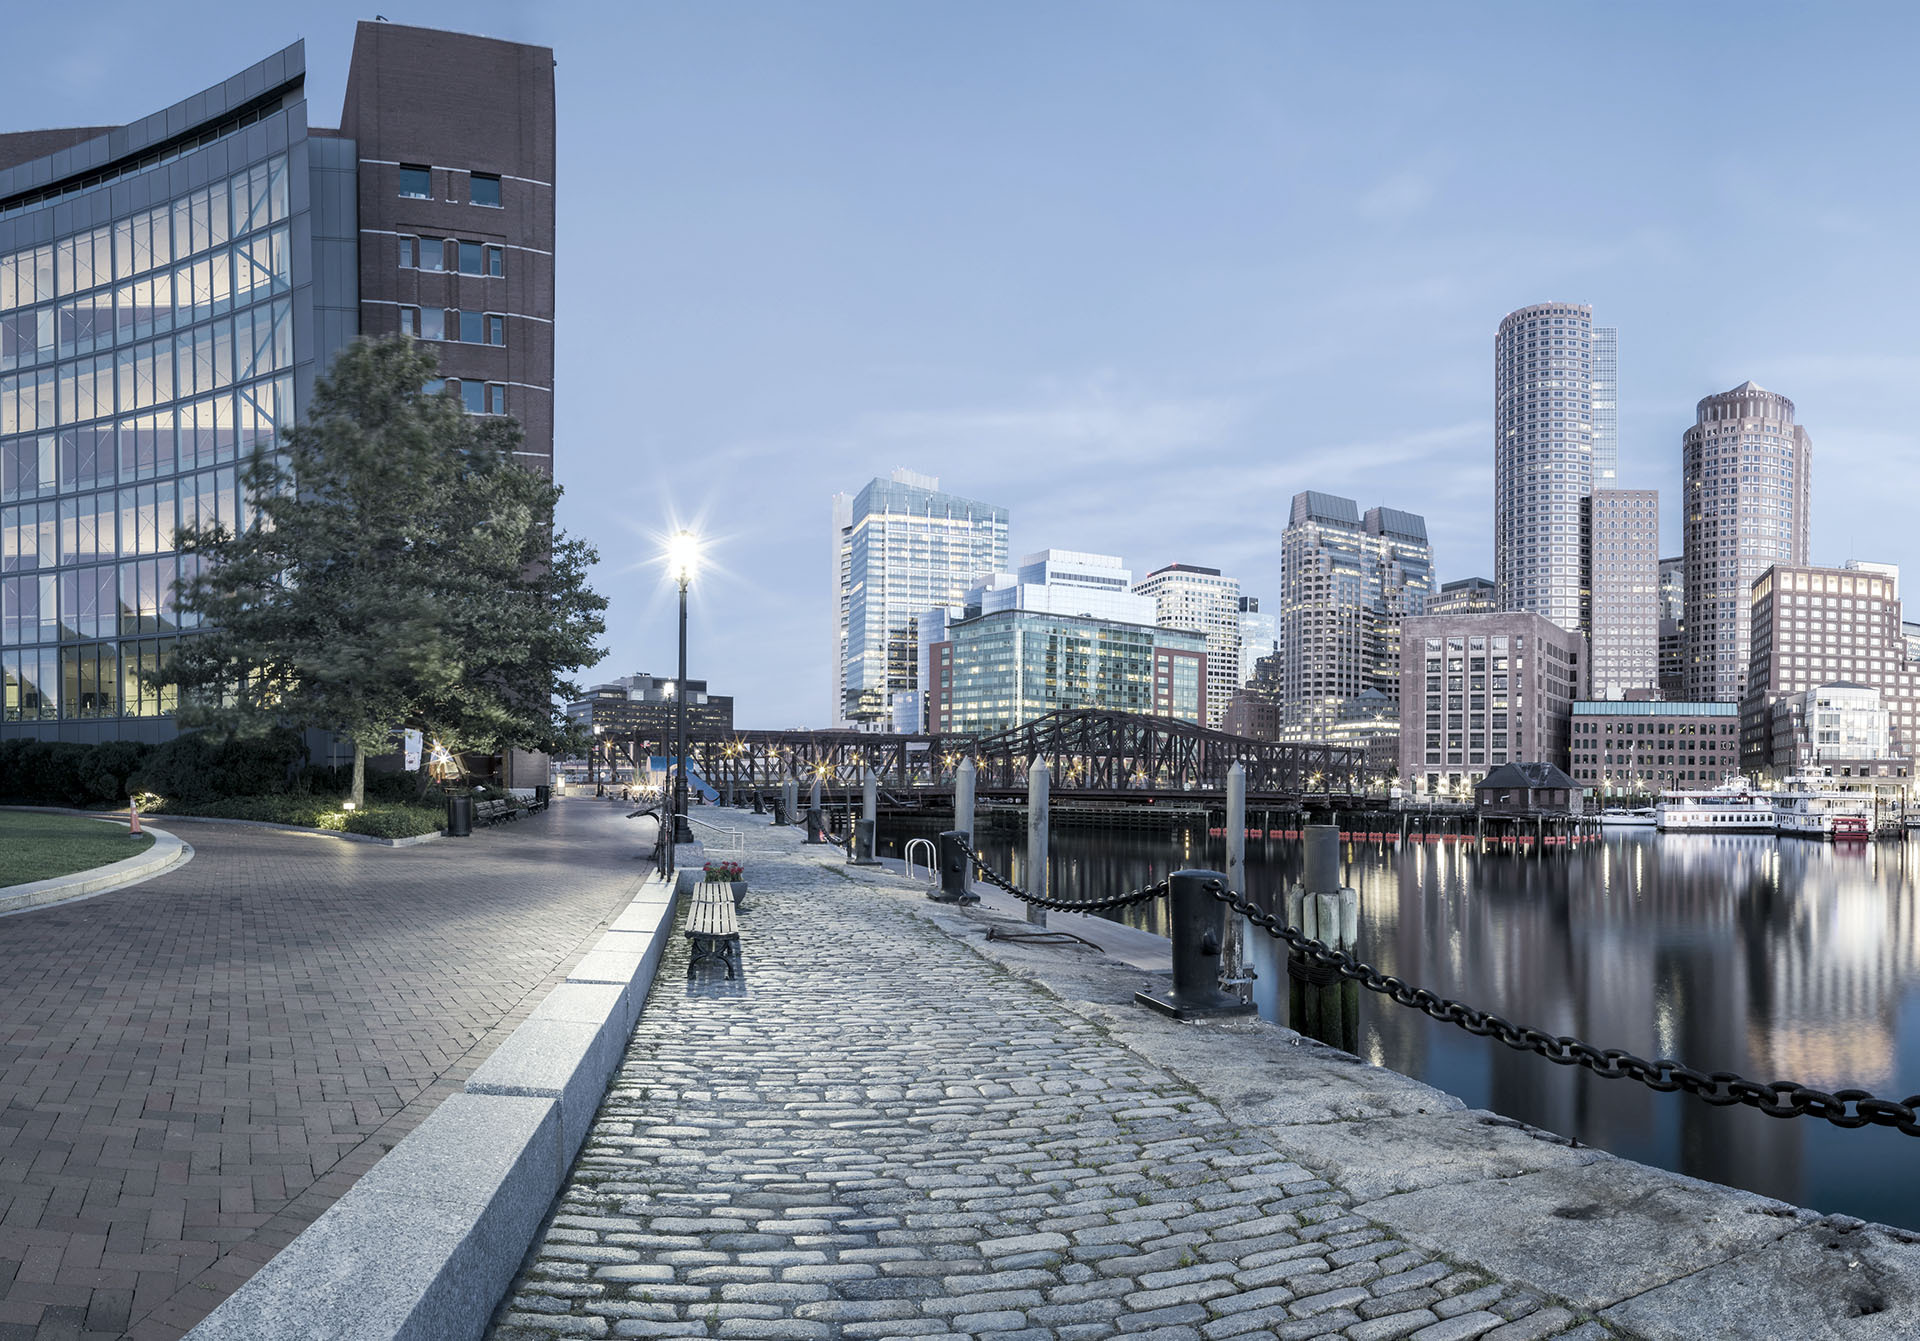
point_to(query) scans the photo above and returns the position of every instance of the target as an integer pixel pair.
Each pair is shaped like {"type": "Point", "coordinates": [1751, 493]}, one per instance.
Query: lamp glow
{"type": "Point", "coordinates": [683, 556]}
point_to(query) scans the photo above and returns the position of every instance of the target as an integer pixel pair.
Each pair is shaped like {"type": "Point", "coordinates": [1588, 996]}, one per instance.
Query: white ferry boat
{"type": "Point", "coordinates": [1732, 807]}
{"type": "Point", "coordinates": [1805, 809]}
{"type": "Point", "coordinates": [1642, 818]}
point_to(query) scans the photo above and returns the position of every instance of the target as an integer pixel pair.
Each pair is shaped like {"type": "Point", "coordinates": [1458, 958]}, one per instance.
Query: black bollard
{"type": "Point", "coordinates": [1198, 924]}
{"type": "Point", "coordinates": [759, 808]}
{"type": "Point", "coordinates": [863, 844]}
{"type": "Point", "coordinates": [955, 867]}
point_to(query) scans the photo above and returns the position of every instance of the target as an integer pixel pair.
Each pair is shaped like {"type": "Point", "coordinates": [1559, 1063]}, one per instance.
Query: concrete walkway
{"type": "Point", "coordinates": [192, 1069]}
{"type": "Point", "coordinates": [879, 1132]}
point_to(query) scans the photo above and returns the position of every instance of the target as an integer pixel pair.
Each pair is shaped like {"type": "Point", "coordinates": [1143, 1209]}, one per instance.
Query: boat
{"type": "Point", "coordinates": [1732, 807]}
{"type": "Point", "coordinates": [1642, 818]}
{"type": "Point", "coordinates": [1806, 808]}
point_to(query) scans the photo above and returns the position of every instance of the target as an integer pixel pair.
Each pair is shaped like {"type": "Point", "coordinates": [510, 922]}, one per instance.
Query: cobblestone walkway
{"type": "Point", "coordinates": [194, 1068]}
{"type": "Point", "coordinates": [879, 1133]}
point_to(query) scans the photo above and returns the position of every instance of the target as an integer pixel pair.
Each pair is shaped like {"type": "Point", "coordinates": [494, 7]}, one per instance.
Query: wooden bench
{"type": "Point", "coordinates": [711, 927]}
{"type": "Point", "coordinates": [492, 812]}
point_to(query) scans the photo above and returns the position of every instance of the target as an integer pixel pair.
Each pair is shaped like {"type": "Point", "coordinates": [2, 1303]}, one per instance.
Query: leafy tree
{"type": "Point", "coordinates": [401, 571]}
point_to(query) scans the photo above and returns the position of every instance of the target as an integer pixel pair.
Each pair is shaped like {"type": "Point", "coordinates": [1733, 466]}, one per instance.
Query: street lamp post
{"type": "Point", "coordinates": [683, 555]}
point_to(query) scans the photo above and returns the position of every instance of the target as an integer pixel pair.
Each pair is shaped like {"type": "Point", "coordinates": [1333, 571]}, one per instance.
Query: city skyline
{"type": "Point", "coordinates": [962, 244]}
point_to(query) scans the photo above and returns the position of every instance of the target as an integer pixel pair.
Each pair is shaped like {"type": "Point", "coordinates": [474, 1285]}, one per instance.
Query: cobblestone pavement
{"type": "Point", "coordinates": [880, 1133]}
{"type": "Point", "coordinates": [194, 1068]}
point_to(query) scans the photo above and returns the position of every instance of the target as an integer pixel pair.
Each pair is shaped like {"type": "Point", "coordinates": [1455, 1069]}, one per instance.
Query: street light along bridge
{"type": "Point", "coordinates": [1094, 755]}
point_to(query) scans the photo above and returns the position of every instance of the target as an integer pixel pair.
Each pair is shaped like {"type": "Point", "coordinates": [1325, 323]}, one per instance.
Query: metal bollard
{"type": "Point", "coordinates": [759, 802]}
{"type": "Point", "coordinates": [1198, 923]}
{"type": "Point", "coordinates": [955, 887]}
{"type": "Point", "coordinates": [863, 844]}
{"type": "Point", "coordinates": [816, 821]}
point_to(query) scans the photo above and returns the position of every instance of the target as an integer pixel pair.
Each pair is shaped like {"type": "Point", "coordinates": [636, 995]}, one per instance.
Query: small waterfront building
{"type": "Point", "coordinates": [1526, 791]}
{"type": "Point", "coordinates": [1635, 750]}
{"type": "Point", "coordinates": [646, 706]}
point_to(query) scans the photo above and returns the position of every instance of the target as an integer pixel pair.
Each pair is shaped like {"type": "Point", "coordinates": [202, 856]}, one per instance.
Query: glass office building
{"type": "Point", "coordinates": [168, 292]}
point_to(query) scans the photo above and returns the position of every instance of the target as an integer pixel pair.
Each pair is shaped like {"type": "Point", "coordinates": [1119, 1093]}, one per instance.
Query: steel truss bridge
{"type": "Point", "coordinates": [1091, 754]}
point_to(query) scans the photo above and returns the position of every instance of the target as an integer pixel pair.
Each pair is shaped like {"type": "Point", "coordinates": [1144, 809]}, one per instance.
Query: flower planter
{"type": "Point", "coordinates": [739, 888]}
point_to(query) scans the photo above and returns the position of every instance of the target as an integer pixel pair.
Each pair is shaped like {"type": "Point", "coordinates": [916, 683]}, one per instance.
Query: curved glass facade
{"type": "Point", "coordinates": [141, 360]}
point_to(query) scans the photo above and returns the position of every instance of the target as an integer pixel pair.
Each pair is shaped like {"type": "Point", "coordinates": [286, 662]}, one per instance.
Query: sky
{"type": "Point", "coordinates": [1141, 272]}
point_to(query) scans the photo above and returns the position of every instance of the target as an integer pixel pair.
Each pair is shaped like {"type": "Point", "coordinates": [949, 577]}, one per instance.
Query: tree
{"type": "Point", "coordinates": [400, 570]}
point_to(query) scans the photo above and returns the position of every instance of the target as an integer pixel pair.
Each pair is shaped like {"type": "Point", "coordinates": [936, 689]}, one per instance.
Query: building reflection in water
{"type": "Point", "coordinates": [1778, 959]}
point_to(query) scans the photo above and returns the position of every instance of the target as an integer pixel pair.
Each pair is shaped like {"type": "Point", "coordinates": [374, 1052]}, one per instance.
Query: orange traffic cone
{"type": "Point", "coordinates": [133, 818]}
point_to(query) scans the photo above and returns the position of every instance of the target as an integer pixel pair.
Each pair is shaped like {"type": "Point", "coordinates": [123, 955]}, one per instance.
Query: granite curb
{"type": "Point", "coordinates": [166, 853]}
{"type": "Point", "coordinates": [426, 1243]}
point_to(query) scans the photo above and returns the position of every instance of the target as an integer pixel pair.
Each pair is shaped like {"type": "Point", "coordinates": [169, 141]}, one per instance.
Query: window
{"type": "Point", "coordinates": [409, 253]}
{"type": "Point", "coordinates": [496, 329]}
{"type": "Point", "coordinates": [471, 257]}
{"type": "Point", "coordinates": [473, 397]}
{"type": "Point", "coordinates": [433, 254]}
{"type": "Point", "coordinates": [484, 189]}
{"type": "Point", "coordinates": [496, 398]}
{"type": "Point", "coordinates": [416, 183]}
{"type": "Point", "coordinates": [410, 321]}
{"type": "Point", "coordinates": [471, 327]}
{"type": "Point", "coordinates": [434, 386]}
{"type": "Point", "coordinates": [433, 324]}
{"type": "Point", "coordinates": [496, 261]}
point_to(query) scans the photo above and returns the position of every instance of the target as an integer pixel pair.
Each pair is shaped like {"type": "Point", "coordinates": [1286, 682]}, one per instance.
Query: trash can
{"type": "Point", "coordinates": [459, 817]}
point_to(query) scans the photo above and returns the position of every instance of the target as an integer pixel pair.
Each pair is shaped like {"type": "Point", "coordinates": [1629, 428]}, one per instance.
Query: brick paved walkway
{"type": "Point", "coordinates": [192, 1069]}
{"type": "Point", "coordinates": [879, 1133]}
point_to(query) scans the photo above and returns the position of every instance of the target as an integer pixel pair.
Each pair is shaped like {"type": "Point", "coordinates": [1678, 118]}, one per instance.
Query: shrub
{"type": "Point", "coordinates": [109, 764]}
{"type": "Point", "coordinates": [50, 773]}
{"type": "Point", "coordinates": [395, 821]}
{"type": "Point", "coordinates": [200, 767]}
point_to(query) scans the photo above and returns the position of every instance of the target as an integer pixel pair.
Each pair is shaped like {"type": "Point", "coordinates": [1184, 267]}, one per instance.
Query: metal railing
{"type": "Point", "coordinates": [725, 840]}
{"type": "Point", "coordinates": [932, 876]}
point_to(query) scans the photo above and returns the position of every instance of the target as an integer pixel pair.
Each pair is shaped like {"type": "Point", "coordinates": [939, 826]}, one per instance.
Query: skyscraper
{"type": "Point", "coordinates": [1543, 457]}
{"type": "Point", "coordinates": [1606, 406]}
{"type": "Point", "coordinates": [181, 280]}
{"type": "Point", "coordinates": [901, 547]}
{"type": "Point", "coordinates": [1259, 637]}
{"type": "Point", "coordinates": [1673, 626]}
{"type": "Point", "coordinates": [1201, 601]}
{"type": "Point", "coordinates": [1346, 583]}
{"type": "Point", "coordinates": [1622, 548]}
{"type": "Point", "coordinates": [1746, 469]}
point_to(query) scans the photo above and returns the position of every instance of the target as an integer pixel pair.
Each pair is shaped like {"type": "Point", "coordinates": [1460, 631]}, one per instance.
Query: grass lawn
{"type": "Point", "coordinates": [39, 847]}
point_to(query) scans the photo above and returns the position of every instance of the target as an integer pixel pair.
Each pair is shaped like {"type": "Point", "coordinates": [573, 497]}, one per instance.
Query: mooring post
{"type": "Point", "coordinates": [1233, 969]}
{"type": "Point", "coordinates": [758, 807]}
{"type": "Point", "coordinates": [956, 870]}
{"type": "Point", "coordinates": [1039, 820]}
{"type": "Point", "coordinates": [816, 821]}
{"type": "Point", "coordinates": [963, 785]}
{"type": "Point", "coordinates": [863, 833]}
{"type": "Point", "coordinates": [1198, 923]}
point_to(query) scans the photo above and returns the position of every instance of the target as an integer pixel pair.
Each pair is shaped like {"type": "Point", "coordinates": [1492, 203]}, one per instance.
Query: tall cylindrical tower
{"type": "Point", "coordinates": [1543, 458]}
{"type": "Point", "coordinates": [1746, 469]}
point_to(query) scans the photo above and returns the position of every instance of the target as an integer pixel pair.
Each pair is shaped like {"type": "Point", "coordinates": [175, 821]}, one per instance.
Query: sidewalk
{"type": "Point", "coordinates": [878, 1132]}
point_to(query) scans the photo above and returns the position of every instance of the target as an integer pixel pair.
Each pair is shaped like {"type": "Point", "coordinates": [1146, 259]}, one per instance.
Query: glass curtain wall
{"type": "Point", "coordinates": [141, 362]}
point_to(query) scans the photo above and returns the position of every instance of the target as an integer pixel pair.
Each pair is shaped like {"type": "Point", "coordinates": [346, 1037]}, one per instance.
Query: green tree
{"type": "Point", "coordinates": [400, 570]}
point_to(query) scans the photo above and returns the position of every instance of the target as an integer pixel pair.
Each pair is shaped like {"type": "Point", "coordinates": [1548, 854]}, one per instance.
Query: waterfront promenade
{"type": "Point", "coordinates": [192, 1069]}
{"type": "Point", "coordinates": [892, 1127]}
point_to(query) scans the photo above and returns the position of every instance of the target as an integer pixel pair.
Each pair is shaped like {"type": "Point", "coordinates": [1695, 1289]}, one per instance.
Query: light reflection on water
{"type": "Point", "coordinates": [1779, 959]}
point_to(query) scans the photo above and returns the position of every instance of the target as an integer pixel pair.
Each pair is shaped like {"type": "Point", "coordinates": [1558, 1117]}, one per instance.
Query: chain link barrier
{"type": "Point", "coordinates": [1779, 1098]}
{"type": "Point", "coordinates": [995, 879]}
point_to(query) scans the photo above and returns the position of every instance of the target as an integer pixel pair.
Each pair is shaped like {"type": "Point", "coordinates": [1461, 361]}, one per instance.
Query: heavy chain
{"type": "Point", "coordinates": [1779, 1098]}
{"type": "Point", "coordinates": [994, 878]}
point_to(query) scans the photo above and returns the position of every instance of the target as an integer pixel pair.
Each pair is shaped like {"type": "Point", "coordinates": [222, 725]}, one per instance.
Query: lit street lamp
{"type": "Point", "coordinates": [683, 556]}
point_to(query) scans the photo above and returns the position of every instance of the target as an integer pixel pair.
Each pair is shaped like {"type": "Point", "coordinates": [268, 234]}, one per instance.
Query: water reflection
{"type": "Point", "coordinates": [1777, 959]}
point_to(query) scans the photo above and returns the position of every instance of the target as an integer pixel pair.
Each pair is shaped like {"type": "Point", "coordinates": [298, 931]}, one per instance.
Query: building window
{"type": "Point", "coordinates": [434, 386]}
{"type": "Point", "coordinates": [416, 183]}
{"type": "Point", "coordinates": [473, 397]}
{"type": "Point", "coordinates": [496, 398]}
{"type": "Point", "coordinates": [471, 257]}
{"type": "Point", "coordinates": [496, 329]}
{"type": "Point", "coordinates": [410, 321]}
{"type": "Point", "coordinates": [484, 190]}
{"type": "Point", "coordinates": [470, 327]}
{"type": "Point", "coordinates": [409, 253]}
{"type": "Point", "coordinates": [496, 261]}
{"type": "Point", "coordinates": [433, 323]}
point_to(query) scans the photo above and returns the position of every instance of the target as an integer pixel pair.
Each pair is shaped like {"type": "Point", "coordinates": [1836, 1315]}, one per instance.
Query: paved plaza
{"type": "Point", "coordinates": [194, 1068]}
{"type": "Point", "coordinates": [878, 1132]}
